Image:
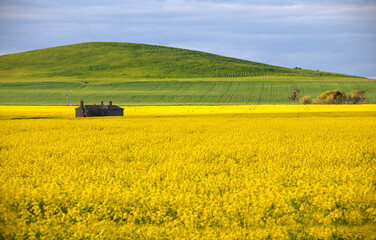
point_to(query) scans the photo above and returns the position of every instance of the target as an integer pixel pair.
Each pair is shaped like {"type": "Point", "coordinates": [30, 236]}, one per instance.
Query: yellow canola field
{"type": "Point", "coordinates": [208, 172]}
{"type": "Point", "coordinates": [20, 112]}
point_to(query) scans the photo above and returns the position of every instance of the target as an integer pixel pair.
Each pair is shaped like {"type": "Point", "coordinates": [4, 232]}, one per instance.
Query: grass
{"type": "Point", "coordinates": [172, 93]}
{"type": "Point", "coordinates": [140, 74]}
{"type": "Point", "coordinates": [118, 62]}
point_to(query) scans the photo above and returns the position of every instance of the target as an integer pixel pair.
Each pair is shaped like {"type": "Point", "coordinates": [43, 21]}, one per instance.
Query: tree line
{"type": "Point", "coordinates": [330, 97]}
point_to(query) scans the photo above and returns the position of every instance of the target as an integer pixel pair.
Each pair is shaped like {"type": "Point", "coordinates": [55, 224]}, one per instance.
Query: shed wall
{"type": "Point", "coordinates": [100, 112]}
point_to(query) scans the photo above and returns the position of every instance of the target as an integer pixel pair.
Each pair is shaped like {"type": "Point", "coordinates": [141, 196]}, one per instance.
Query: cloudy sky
{"type": "Point", "coordinates": [328, 35]}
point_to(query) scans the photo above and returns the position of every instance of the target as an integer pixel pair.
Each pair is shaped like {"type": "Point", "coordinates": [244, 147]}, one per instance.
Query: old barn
{"type": "Point", "coordinates": [98, 110]}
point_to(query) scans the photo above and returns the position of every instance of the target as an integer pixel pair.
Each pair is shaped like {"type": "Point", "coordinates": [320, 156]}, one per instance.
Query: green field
{"type": "Point", "coordinates": [122, 61]}
{"type": "Point", "coordinates": [172, 93]}
{"type": "Point", "coordinates": [140, 74]}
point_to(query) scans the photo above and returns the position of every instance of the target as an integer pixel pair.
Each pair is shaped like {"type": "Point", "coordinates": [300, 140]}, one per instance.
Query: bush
{"type": "Point", "coordinates": [333, 97]}
{"type": "Point", "coordinates": [305, 100]}
{"type": "Point", "coordinates": [316, 101]}
{"type": "Point", "coordinates": [294, 96]}
{"type": "Point", "coordinates": [357, 97]}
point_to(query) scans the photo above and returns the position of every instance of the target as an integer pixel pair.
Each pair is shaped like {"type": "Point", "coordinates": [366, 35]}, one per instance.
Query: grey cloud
{"type": "Point", "coordinates": [276, 32]}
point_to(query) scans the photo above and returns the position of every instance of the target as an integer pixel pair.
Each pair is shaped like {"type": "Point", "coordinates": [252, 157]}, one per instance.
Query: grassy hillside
{"type": "Point", "coordinates": [123, 61]}
{"type": "Point", "coordinates": [139, 74]}
{"type": "Point", "coordinates": [172, 93]}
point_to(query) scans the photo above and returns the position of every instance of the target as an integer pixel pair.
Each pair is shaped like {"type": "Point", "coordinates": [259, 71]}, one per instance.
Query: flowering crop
{"type": "Point", "coordinates": [232, 172]}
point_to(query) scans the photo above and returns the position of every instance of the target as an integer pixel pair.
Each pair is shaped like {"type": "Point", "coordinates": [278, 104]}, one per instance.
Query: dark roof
{"type": "Point", "coordinates": [101, 107]}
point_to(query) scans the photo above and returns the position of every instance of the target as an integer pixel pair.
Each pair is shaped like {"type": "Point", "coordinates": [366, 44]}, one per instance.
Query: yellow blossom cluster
{"type": "Point", "coordinates": [235, 172]}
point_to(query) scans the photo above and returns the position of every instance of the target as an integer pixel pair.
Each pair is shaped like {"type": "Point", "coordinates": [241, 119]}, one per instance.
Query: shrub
{"type": "Point", "coordinates": [294, 96]}
{"type": "Point", "coordinates": [333, 97]}
{"type": "Point", "coordinates": [357, 97]}
{"type": "Point", "coordinates": [336, 97]}
{"type": "Point", "coordinates": [305, 100]}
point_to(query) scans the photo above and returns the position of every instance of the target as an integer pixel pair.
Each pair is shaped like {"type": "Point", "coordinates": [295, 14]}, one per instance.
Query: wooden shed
{"type": "Point", "coordinates": [98, 110]}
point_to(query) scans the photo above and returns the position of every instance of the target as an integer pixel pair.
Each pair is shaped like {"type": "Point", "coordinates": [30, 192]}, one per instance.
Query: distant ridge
{"type": "Point", "coordinates": [119, 61]}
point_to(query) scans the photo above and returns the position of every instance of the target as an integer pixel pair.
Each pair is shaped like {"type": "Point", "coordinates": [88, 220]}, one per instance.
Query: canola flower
{"type": "Point", "coordinates": [234, 172]}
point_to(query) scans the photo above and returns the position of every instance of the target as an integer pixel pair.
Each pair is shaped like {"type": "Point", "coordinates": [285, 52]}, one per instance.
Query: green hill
{"type": "Point", "coordinates": [124, 61]}
{"type": "Point", "coordinates": [139, 74]}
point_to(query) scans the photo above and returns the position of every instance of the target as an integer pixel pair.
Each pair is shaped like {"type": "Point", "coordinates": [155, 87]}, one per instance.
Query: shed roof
{"type": "Point", "coordinates": [100, 107]}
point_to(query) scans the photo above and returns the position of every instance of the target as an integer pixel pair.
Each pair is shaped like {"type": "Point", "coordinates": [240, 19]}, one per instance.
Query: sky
{"type": "Point", "coordinates": [326, 35]}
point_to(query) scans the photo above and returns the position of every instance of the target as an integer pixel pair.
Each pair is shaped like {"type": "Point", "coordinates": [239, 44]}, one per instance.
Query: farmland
{"type": "Point", "coordinates": [189, 172]}
{"type": "Point", "coordinates": [123, 61]}
{"type": "Point", "coordinates": [197, 155]}
{"type": "Point", "coordinates": [173, 92]}
{"type": "Point", "coordinates": [140, 74]}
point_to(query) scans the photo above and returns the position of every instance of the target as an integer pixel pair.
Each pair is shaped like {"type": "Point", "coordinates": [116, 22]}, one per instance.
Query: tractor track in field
{"type": "Point", "coordinates": [208, 91]}
{"type": "Point", "coordinates": [232, 96]}
{"type": "Point", "coordinates": [170, 93]}
{"type": "Point", "coordinates": [224, 93]}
